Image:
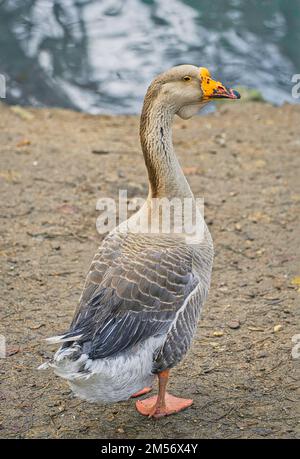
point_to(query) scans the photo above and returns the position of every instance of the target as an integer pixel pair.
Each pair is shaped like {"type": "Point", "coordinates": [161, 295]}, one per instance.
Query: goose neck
{"type": "Point", "coordinates": [166, 178]}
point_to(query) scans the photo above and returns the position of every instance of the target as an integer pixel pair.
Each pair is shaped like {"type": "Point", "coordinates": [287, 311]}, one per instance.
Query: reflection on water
{"type": "Point", "coordinates": [99, 55]}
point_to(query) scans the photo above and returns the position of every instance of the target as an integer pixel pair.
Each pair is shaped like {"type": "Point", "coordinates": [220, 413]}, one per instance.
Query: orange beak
{"type": "Point", "coordinates": [212, 89]}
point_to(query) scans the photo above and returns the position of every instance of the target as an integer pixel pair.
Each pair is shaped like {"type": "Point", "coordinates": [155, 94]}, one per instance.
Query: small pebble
{"type": "Point", "coordinates": [218, 333]}
{"type": "Point", "coordinates": [234, 324]}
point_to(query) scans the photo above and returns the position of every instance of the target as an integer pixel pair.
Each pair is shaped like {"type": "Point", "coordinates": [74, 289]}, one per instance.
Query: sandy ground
{"type": "Point", "coordinates": [244, 160]}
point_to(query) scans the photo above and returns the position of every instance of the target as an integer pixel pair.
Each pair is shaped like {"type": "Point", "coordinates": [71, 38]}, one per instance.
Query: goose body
{"type": "Point", "coordinates": [137, 314]}
{"type": "Point", "coordinates": [145, 290]}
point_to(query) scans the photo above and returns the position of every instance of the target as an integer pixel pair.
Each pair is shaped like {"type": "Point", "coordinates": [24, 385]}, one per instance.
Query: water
{"type": "Point", "coordinates": [100, 55]}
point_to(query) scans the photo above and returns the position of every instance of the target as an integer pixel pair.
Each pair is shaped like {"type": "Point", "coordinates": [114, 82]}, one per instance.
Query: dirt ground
{"type": "Point", "coordinates": [244, 159]}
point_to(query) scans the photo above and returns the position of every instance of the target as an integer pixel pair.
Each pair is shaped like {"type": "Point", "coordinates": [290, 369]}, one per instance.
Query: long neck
{"type": "Point", "coordinates": [166, 178]}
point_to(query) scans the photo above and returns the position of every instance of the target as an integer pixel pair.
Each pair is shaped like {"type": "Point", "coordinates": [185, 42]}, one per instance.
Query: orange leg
{"type": "Point", "coordinates": [163, 404]}
{"type": "Point", "coordinates": [144, 391]}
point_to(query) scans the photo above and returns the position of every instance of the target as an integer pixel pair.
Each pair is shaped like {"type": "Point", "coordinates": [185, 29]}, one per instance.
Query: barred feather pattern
{"type": "Point", "coordinates": [144, 293]}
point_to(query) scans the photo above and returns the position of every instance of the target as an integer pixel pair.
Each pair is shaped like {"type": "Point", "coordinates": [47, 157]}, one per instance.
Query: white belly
{"type": "Point", "coordinates": [110, 379]}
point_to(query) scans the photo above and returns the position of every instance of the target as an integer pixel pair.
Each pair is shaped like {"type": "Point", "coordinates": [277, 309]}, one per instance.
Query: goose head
{"type": "Point", "coordinates": [185, 89]}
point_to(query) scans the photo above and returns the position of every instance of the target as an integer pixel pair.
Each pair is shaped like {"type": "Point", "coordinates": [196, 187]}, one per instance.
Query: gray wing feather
{"type": "Point", "coordinates": [128, 299]}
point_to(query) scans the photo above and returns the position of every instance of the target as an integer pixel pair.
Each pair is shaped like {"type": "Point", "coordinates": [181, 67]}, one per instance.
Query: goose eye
{"type": "Point", "coordinates": [187, 78]}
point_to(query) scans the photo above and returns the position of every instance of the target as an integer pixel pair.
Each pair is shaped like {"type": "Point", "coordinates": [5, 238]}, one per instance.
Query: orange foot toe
{"type": "Point", "coordinates": [149, 406]}
{"type": "Point", "coordinates": [144, 391]}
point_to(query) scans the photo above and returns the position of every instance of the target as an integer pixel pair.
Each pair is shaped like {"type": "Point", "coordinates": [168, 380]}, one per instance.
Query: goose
{"type": "Point", "coordinates": [145, 289]}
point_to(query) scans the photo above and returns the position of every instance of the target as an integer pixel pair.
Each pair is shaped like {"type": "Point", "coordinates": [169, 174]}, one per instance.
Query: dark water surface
{"type": "Point", "coordinates": [100, 55]}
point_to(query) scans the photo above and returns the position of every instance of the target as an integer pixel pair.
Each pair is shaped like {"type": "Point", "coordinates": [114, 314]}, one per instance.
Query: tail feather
{"type": "Point", "coordinates": [107, 380]}
{"type": "Point", "coordinates": [62, 339]}
{"type": "Point", "coordinates": [67, 362]}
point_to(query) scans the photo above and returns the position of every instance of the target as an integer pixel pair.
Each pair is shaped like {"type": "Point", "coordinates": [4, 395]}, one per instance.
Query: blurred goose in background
{"type": "Point", "coordinates": [145, 289]}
